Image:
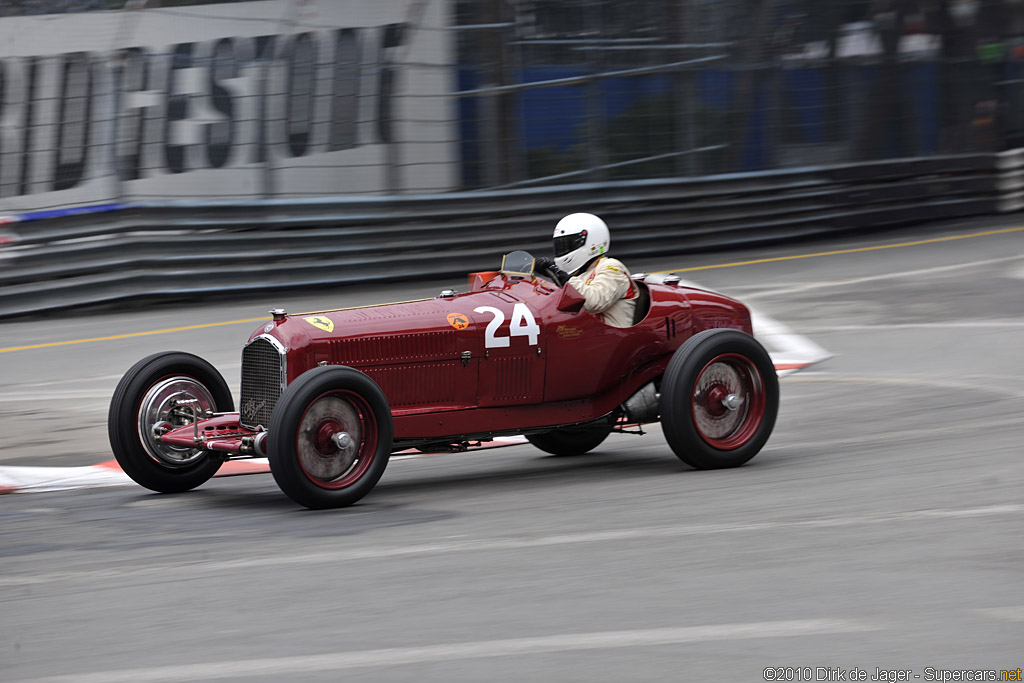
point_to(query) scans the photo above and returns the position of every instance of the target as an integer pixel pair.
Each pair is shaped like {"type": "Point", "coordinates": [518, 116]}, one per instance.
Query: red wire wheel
{"type": "Point", "coordinates": [719, 399]}
{"type": "Point", "coordinates": [336, 439]}
{"type": "Point", "coordinates": [728, 401]}
{"type": "Point", "coordinates": [330, 437]}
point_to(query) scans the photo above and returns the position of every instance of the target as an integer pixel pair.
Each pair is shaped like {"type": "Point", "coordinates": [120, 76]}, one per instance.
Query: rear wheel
{"type": "Point", "coordinates": [719, 399]}
{"type": "Point", "coordinates": [330, 437]}
{"type": "Point", "coordinates": [160, 393]}
{"type": "Point", "coordinates": [574, 440]}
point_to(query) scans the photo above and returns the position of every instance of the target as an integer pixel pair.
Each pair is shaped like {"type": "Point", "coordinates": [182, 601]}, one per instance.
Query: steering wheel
{"type": "Point", "coordinates": [552, 274]}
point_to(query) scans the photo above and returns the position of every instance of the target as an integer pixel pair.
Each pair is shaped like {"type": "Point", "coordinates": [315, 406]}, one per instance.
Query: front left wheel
{"type": "Point", "coordinates": [330, 437]}
{"type": "Point", "coordinates": [160, 393]}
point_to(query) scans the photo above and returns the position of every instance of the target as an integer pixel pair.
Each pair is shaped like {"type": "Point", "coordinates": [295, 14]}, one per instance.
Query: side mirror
{"type": "Point", "coordinates": [570, 300]}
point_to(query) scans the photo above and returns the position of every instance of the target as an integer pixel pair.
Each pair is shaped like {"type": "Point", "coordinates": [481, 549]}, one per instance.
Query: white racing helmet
{"type": "Point", "coordinates": [579, 237]}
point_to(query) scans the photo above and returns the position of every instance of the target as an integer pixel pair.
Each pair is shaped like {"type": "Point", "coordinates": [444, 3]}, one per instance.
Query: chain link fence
{"type": "Point", "coordinates": [170, 99]}
{"type": "Point", "coordinates": [597, 90]}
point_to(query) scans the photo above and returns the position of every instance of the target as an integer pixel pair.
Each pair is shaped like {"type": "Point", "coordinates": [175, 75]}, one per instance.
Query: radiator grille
{"type": "Point", "coordinates": [262, 382]}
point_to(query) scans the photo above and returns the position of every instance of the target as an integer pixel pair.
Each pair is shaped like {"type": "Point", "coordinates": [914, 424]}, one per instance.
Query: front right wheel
{"type": "Point", "coordinates": [719, 399]}
{"type": "Point", "coordinates": [160, 393]}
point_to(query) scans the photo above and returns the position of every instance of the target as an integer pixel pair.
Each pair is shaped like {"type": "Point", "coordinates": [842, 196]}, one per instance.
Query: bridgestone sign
{"type": "Point", "coordinates": [239, 100]}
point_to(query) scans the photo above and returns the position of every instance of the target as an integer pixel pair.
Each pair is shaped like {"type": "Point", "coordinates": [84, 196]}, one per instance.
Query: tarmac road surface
{"type": "Point", "coordinates": [879, 530]}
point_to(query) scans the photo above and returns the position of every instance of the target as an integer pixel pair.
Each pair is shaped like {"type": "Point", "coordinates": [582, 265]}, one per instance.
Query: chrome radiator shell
{"type": "Point", "coordinates": [264, 377]}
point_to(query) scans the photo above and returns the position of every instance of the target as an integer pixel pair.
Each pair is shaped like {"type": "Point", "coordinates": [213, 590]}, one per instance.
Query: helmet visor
{"type": "Point", "coordinates": [568, 243]}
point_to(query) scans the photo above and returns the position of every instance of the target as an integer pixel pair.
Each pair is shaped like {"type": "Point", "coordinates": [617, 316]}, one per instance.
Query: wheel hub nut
{"type": "Point", "coordinates": [161, 428]}
{"type": "Point", "coordinates": [732, 401]}
{"type": "Point", "coordinates": [343, 442]}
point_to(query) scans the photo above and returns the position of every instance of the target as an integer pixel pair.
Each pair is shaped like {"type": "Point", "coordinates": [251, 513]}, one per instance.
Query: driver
{"type": "Point", "coordinates": [581, 242]}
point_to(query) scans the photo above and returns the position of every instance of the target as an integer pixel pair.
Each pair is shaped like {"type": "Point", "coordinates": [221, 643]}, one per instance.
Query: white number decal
{"type": "Point", "coordinates": [491, 339]}
{"type": "Point", "coordinates": [523, 325]}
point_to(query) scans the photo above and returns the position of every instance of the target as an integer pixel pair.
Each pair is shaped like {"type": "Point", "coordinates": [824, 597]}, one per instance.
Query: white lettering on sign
{"type": "Point", "coordinates": [523, 325]}
{"type": "Point", "coordinates": [136, 104]}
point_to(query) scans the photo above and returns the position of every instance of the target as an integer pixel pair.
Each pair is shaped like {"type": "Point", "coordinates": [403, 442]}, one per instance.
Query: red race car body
{"type": "Point", "coordinates": [515, 354]}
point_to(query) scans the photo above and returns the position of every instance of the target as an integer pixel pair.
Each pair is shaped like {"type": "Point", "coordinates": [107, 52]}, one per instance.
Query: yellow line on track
{"type": "Point", "coordinates": [132, 334]}
{"type": "Point", "coordinates": [776, 259]}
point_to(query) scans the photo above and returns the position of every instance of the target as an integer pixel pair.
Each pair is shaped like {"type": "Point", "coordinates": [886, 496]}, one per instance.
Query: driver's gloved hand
{"type": "Point", "coordinates": [548, 265]}
{"type": "Point", "coordinates": [561, 277]}
{"type": "Point", "coordinates": [543, 263]}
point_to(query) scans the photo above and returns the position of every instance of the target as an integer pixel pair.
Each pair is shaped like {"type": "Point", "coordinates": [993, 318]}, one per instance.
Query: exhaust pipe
{"type": "Point", "coordinates": [643, 406]}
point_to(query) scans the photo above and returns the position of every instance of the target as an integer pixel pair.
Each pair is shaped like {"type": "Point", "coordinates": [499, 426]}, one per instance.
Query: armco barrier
{"type": "Point", "coordinates": [190, 249]}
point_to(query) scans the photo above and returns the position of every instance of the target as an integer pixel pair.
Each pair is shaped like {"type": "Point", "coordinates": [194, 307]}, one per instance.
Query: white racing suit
{"type": "Point", "coordinates": [609, 291]}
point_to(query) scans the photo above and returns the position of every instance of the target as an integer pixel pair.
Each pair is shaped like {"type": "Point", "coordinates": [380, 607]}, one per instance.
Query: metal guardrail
{"type": "Point", "coordinates": [1010, 183]}
{"type": "Point", "coordinates": [186, 250]}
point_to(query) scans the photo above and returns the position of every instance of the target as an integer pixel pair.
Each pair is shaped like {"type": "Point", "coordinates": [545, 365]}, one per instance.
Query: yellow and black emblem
{"type": "Point", "coordinates": [324, 323]}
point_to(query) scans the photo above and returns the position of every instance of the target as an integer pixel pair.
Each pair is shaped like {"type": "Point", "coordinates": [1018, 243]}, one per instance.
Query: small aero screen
{"type": "Point", "coordinates": [517, 263]}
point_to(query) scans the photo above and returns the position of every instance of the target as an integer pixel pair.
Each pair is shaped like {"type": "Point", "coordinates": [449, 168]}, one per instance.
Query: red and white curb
{"type": "Point", "coordinates": [789, 351]}
{"type": "Point", "coordinates": [15, 479]}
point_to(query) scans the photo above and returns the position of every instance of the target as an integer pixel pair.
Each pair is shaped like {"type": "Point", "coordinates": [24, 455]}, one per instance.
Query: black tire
{"type": "Point", "coordinates": [150, 386]}
{"type": "Point", "coordinates": [705, 376]}
{"type": "Point", "coordinates": [574, 440]}
{"type": "Point", "coordinates": [311, 469]}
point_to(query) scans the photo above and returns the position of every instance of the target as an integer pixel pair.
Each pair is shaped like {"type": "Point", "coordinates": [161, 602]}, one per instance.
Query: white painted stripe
{"type": "Point", "coordinates": [287, 667]}
{"type": "Point", "coordinates": [178, 569]}
{"type": "Point", "coordinates": [101, 398]}
{"type": "Point", "coordinates": [965, 386]}
{"type": "Point", "coordinates": [943, 325]}
{"type": "Point", "coordinates": [98, 379]}
{"type": "Point", "coordinates": [1014, 613]}
{"type": "Point", "coordinates": [875, 278]}
{"type": "Point", "coordinates": [865, 442]}
{"type": "Point", "coordinates": [36, 479]}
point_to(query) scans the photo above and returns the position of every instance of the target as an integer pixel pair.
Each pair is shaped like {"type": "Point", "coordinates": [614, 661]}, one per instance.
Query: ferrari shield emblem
{"type": "Point", "coordinates": [458, 321]}
{"type": "Point", "coordinates": [325, 324]}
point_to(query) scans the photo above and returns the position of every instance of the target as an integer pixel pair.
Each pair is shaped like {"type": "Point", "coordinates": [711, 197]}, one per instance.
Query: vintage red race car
{"type": "Point", "coordinates": [328, 396]}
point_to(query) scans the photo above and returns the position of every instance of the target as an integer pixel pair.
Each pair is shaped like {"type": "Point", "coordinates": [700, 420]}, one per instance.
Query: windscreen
{"type": "Point", "coordinates": [517, 263]}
